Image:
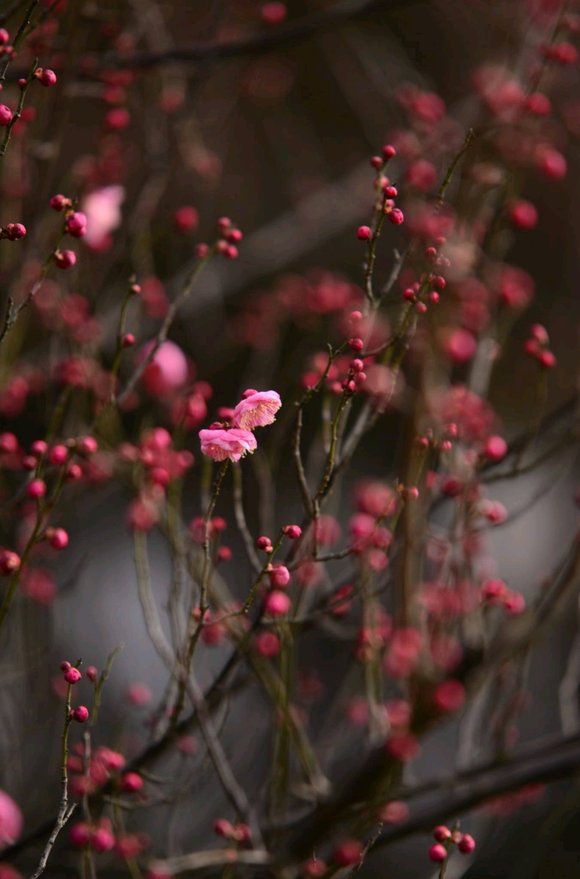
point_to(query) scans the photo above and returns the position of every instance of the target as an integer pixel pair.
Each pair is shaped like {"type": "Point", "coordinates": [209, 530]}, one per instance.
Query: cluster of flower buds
{"type": "Point", "coordinates": [13, 231]}
{"type": "Point", "coordinates": [537, 346]}
{"type": "Point", "coordinates": [427, 290]}
{"type": "Point", "coordinates": [239, 834]}
{"type": "Point", "coordinates": [229, 237]}
{"type": "Point", "coordinates": [495, 593]}
{"type": "Point", "coordinates": [100, 838]}
{"type": "Point", "coordinates": [6, 47]}
{"type": "Point", "coordinates": [73, 675]}
{"type": "Point", "coordinates": [389, 194]}
{"type": "Point", "coordinates": [75, 222]}
{"type": "Point", "coordinates": [446, 839]}
{"type": "Point", "coordinates": [277, 602]}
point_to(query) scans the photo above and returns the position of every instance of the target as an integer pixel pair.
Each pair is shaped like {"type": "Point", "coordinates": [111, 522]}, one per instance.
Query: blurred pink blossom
{"type": "Point", "coordinates": [10, 820]}
{"type": "Point", "coordinates": [103, 211]}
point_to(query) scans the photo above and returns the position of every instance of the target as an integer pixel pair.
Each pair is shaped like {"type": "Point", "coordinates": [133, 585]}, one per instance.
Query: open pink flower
{"type": "Point", "coordinates": [221, 444]}
{"type": "Point", "coordinates": [257, 409]}
{"type": "Point", "coordinates": [10, 820]}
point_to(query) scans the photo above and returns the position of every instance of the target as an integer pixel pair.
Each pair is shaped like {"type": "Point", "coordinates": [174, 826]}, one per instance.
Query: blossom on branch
{"type": "Point", "coordinates": [220, 444]}
{"type": "Point", "coordinates": [257, 409]}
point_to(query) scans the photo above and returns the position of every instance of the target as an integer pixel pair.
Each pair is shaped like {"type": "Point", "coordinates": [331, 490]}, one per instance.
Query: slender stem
{"type": "Point", "coordinates": [163, 331]}
{"type": "Point", "coordinates": [65, 811]}
{"type": "Point", "coordinates": [241, 520]}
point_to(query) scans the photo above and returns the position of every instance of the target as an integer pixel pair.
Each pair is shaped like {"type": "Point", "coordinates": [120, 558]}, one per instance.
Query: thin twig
{"type": "Point", "coordinates": [65, 811]}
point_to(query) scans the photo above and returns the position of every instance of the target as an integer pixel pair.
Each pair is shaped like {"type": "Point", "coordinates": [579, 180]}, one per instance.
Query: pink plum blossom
{"type": "Point", "coordinates": [257, 409]}
{"type": "Point", "coordinates": [10, 820]}
{"type": "Point", "coordinates": [168, 370]}
{"type": "Point", "coordinates": [103, 212]}
{"type": "Point", "coordinates": [221, 444]}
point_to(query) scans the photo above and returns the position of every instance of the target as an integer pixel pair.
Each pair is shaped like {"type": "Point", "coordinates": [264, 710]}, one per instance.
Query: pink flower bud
{"type": "Point", "coordinates": [495, 448]}
{"type": "Point", "coordinates": [59, 202]}
{"type": "Point", "coordinates": [441, 833]}
{"type": "Point", "coordinates": [36, 489]}
{"type": "Point", "coordinates": [547, 359]}
{"type": "Point", "coordinates": [437, 852]}
{"type": "Point", "coordinates": [91, 673]}
{"type": "Point", "coordinates": [267, 644]}
{"type": "Point", "coordinates": [80, 714]}
{"type": "Point", "coordinates": [8, 443]}
{"type": "Point", "coordinates": [274, 12]}
{"type": "Point", "coordinates": [466, 844]}
{"type": "Point", "coordinates": [58, 455]}
{"type": "Point", "coordinates": [523, 214]}
{"type": "Point", "coordinates": [102, 840]}
{"type": "Point", "coordinates": [5, 115]}
{"type": "Point", "coordinates": [279, 576]}
{"type": "Point", "coordinates": [72, 675]}
{"type": "Point", "coordinates": [57, 538]}
{"type": "Point", "coordinates": [73, 472]}
{"type": "Point", "coordinates": [402, 746]}
{"type": "Point", "coordinates": [87, 445]}
{"type": "Point", "coordinates": [15, 231]}
{"type": "Point", "coordinates": [293, 532]}
{"type": "Point", "coordinates": [315, 868]}
{"type": "Point", "coordinates": [514, 603]}
{"type": "Point", "coordinates": [80, 834]}
{"type": "Point", "coordinates": [76, 224]}
{"type": "Point", "coordinates": [186, 219]}
{"type": "Point", "coordinates": [363, 233]}
{"type": "Point", "coordinates": [394, 812]}
{"type": "Point", "coordinates": [47, 77]}
{"type": "Point", "coordinates": [348, 853]}
{"type": "Point", "coordinates": [223, 827]}
{"type": "Point", "coordinates": [493, 591]}
{"type": "Point", "coordinates": [9, 561]}
{"type": "Point", "coordinates": [131, 782]}
{"type": "Point", "coordinates": [10, 820]}
{"type": "Point", "coordinates": [538, 104]}
{"type": "Point", "coordinates": [277, 604]}
{"type": "Point", "coordinates": [551, 163]}
{"type": "Point", "coordinates": [64, 259]}
{"type": "Point", "coordinates": [449, 695]}
{"type": "Point", "coordinates": [117, 119]}
{"type": "Point", "coordinates": [263, 542]}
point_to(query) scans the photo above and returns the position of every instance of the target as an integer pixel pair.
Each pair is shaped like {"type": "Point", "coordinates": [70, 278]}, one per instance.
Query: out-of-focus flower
{"type": "Point", "coordinates": [103, 212]}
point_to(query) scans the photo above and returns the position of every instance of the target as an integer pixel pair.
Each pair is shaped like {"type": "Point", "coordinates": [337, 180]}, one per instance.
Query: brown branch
{"type": "Point", "coordinates": [437, 800]}
{"type": "Point", "coordinates": [312, 25]}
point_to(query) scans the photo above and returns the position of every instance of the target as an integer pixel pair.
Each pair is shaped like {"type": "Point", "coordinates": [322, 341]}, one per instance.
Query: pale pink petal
{"type": "Point", "coordinates": [257, 410]}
